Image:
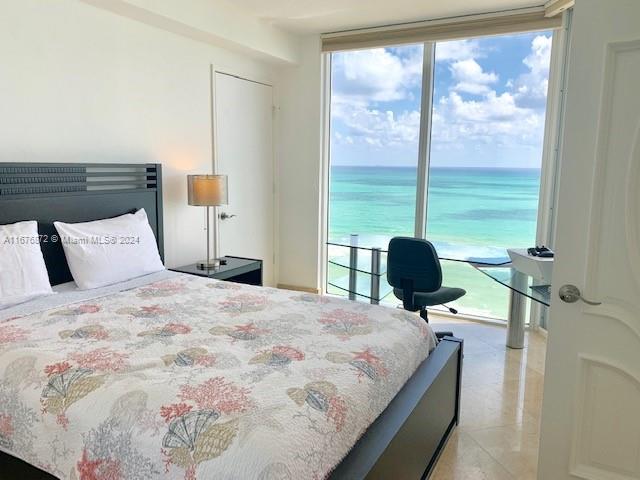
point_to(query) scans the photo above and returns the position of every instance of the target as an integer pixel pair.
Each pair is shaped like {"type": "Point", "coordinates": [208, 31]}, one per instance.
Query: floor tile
{"type": "Point", "coordinates": [514, 447]}
{"type": "Point", "coordinates": [502, 390]}
{"type": "Point", "coordinates": [464, 459]}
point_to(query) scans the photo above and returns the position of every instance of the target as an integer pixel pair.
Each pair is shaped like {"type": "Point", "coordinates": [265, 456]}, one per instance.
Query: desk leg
{"type": "Point", "coordinates": [517, 306]}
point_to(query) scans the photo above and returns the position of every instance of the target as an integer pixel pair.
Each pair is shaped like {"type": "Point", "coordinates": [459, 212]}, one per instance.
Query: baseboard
{"type": "Point", "coordinates": [298, 288]}
{"type": "Point", "coordinates": [541, 331]}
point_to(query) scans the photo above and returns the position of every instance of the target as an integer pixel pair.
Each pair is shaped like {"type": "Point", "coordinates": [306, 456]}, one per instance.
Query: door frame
{"type": "Point", "coordinates": [213, 70]}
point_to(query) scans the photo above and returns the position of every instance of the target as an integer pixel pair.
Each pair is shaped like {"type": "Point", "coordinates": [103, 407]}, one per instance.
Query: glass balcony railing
{"type": "Point", "coordinates": [364, 268]}
{"type": "Point", "coordinates": [358, 267]}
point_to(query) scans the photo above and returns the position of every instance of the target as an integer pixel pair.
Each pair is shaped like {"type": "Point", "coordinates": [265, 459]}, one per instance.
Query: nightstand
{"type": "Point", "coordinates": [237, 269]}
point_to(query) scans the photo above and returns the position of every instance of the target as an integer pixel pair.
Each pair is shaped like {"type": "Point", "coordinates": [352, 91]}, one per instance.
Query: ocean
{"type": "Point", "coordinates": [477, 209]}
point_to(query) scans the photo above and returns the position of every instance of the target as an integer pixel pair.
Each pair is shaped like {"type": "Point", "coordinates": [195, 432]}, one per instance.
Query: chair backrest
{"type": "Point", "coordinates": [416, 260]}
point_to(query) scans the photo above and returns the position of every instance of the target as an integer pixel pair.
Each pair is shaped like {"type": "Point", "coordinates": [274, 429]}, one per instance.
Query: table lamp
{"type": "Point", "coordinates": [208, 191]}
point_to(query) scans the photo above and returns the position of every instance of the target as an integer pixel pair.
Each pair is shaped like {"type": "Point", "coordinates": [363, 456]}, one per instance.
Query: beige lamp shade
{"type": "Point", "coordinates": [208, 190]}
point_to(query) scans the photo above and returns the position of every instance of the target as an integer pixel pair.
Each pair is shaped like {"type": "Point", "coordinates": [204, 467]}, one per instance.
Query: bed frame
{"type": "Point", "coordinates": [405, 441]}
{"type": "Point", "coordinates": [77, 192]}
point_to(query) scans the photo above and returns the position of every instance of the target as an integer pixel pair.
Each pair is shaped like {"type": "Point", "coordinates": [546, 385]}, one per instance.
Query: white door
{"type": "Point", "coordinates": [243, 142]}
{"type": "Point", "coordinates": [591, 410]}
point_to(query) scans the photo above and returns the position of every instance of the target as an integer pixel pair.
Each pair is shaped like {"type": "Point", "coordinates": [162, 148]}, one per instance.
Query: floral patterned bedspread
{"type": "Point", "coordinates": [195, 378]}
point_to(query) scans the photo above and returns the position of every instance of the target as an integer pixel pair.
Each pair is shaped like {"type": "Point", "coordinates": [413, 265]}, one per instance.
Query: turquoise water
{"type": "Point", "coordinates": [478, 208]}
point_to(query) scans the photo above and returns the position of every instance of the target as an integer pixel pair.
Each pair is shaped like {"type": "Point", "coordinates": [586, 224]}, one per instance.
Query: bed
{"type": "Point", "coordinates": [177, 376]}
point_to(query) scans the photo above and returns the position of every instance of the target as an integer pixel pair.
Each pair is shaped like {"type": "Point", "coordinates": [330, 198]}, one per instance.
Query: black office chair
{"type": "Point", "coordinates": [413, 270]}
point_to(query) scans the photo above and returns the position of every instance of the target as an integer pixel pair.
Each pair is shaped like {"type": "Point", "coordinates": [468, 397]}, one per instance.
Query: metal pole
{"type": "Point", "coordinates": [216, 236]}
{"type": "Point", "coordinates": [353, 265]}
{"type": "Point", "coordinates": [375, 276]}
{"type": "Point", "coordinates": [208, 238]}
{"type": "Point", "coordinates": [517, 304]}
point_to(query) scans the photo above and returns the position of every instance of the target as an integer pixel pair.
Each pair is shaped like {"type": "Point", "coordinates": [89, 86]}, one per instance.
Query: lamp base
{"type": "Point", "coordinates": [211, 264]}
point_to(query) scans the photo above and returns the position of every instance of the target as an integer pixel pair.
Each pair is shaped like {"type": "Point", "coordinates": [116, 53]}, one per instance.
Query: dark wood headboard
{"type": "Point", "coordinates": [77, 192]}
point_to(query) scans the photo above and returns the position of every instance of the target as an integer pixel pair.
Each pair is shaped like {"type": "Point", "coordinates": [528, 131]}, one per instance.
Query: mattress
{"type": "Point", "coordinates": [177, 376]}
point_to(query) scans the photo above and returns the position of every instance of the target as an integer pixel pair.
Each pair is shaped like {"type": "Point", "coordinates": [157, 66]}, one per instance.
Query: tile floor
{"type": "Point", "coordinates": [497, 437]}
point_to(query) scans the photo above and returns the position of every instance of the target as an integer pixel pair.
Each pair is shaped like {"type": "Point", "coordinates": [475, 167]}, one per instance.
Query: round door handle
{"type": "Point", "coordinates": [225, 215]}
{"type": "Point", "coordinates": [571, 294]}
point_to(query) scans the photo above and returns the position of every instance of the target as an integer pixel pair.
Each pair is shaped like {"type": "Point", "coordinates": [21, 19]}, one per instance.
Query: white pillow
{"type": "Point", "coordinates": [23, 274]}
{"type": "Point", "coordinates": [104, 252]}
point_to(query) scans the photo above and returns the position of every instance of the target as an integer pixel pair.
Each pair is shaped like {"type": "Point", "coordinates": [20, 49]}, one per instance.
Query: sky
{"type": "Point", "coordinates": [488, 103]}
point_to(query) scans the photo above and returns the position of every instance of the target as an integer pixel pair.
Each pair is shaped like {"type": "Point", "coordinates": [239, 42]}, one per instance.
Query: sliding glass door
{"type": "Point", "coordinates": [482, 158]}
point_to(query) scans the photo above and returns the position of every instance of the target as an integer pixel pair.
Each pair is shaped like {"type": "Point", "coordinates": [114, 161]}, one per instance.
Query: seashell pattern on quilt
{"type": "Point", "coordinates": [190, 378]}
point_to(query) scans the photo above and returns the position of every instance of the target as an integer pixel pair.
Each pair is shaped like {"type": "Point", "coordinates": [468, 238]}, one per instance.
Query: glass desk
{"type": "Point", "coordinates": [518, 282]}
{"type": "Point", "coordinates": [522, 286]}
{"type": "Point", "coordinates": [366, 268]}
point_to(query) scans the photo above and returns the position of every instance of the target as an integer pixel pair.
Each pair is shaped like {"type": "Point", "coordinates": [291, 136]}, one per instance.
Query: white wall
{"type": "Point", "coordinates": [221, 22]}
{"type": "Point", "coordinates": [299, 180]}
{"type": "Point", "coordinates": [81, 84]}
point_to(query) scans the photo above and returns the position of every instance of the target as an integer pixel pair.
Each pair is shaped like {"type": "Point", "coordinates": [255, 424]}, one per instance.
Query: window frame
{"type": "Point", "coordinates": [550, 158]}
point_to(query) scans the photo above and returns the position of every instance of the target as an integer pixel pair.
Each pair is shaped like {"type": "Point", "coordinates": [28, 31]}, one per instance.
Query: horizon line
{"type": "Point", "coordinates": [440, 166]}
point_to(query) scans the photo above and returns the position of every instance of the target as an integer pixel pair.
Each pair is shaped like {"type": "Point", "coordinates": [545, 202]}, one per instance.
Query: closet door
{"type": "Point", "coordinates": [243, 145]}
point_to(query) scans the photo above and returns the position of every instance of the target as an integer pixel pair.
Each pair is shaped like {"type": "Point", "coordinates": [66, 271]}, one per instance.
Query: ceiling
{"type": "Point", "coordinates": [323, 16]}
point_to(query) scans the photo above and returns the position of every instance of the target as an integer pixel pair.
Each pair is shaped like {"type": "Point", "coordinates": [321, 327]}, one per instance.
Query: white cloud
{"type": "Point", "coordinates": [538, 59]}
{"type": "Point", "coordinates": [375, 127]}
{"type": "Point", "coordinates": [513, 118]}
{"type": "Point", "coordinates": [492, 107]}
{"type": "Point", "coordinates": [367, 77]}
{"type": "Point", "coordinates": [457, 50]}
{"type": "Point", "coordinates": [495, 119]}
{"type": "Point", "coordinates": [342, 139]}
{"type": "Point", "coordinates": [376, 75]}
{"type": "Point", "coordinates": [471, 78]}
{"type": "Point", "coordinates": [532, 86]}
